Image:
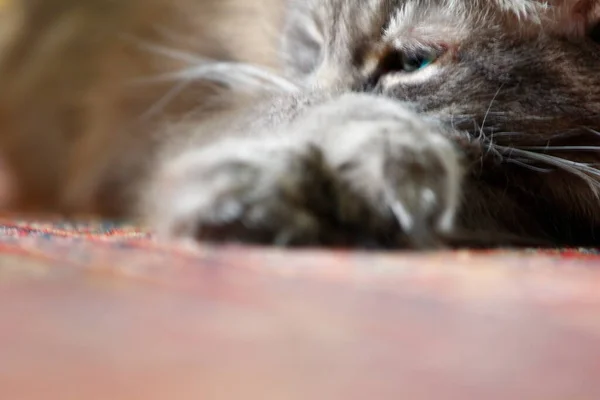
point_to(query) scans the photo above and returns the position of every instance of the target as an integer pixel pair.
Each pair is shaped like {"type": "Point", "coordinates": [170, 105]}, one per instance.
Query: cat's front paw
{"type": "Point", "coordinates": [408, 175]}
{"type": "Point", "coordinates": [248, 190]}
{"type": "Point", "coordinates": [380, 183]}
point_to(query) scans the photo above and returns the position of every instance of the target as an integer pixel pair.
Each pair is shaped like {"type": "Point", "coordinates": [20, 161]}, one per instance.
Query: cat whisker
{"type": "Point", "coordinates": [525, 165]}
{"type": "Point", "coordinates": [164, 100]}
{"type": "Point", "coordinates": [487, 113]}
{"type": "Point", "coordinates": [169, 52]}
{"type": "Point", "coordinates": [491, 148]}
{"type": "Point", "coordinates": [590, 130]}
{"type": "Point", "coordinates": [587, 173]}
{"type": "Point", "coordinates": [226, 73]}
{"type": "Point", "coordinates": [504, 134]}
{"type": "Point", "coordinates": [562, 148]}
{"type": "Point", "coordinates": [460, 121]}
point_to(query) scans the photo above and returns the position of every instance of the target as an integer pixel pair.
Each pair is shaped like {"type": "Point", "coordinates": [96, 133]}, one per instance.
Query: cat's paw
{"type": "Point", "coordinates": [249, 191]}
{"type": "Point", "coordinates": [381, 183]}
{"type": "Point", "coordinates": [407, 174]}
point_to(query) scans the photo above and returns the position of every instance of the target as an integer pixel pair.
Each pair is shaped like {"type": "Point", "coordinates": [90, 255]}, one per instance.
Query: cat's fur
{"type": "Point", "coordinates": [493, 143]}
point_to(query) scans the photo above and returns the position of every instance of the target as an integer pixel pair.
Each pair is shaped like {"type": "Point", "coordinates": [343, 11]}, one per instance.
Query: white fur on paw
{"type": "Point", "coordinates": [404, 165]}
{"type": "Point", "coordinates": [243, 183]}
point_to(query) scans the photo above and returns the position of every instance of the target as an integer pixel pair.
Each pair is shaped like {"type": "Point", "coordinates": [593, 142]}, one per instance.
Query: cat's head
{"type": "Point", "coordinates": [492, 66]}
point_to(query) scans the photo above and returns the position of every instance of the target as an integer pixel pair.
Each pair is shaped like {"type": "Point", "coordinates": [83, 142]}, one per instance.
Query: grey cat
{"type": "Point", "coordinates": [403, 124]}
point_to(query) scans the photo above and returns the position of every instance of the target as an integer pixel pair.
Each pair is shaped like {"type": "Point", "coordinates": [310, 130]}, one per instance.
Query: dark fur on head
{"type": "Point", "coordinates": [521, 77]}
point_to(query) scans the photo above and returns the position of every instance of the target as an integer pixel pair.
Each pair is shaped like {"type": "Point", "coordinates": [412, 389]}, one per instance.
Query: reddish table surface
{"type": "Point", "coordinates": [97, 312]}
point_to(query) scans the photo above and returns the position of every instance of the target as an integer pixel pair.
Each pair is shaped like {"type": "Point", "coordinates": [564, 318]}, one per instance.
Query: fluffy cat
{"type": "Point", "coordinates": [400, 123]}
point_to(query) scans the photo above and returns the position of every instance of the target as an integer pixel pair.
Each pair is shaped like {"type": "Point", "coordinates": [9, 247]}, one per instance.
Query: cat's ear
{"type": "Point", "coordinates": [574, 18]}
{"type": "Point", "coordinates": [303, 38]}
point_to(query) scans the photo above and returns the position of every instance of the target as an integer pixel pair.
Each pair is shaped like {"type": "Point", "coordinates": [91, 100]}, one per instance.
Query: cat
{"type": "Point", "coordinates": [395, 123]}
{"type": "Point", "coordinates": [417, 123]}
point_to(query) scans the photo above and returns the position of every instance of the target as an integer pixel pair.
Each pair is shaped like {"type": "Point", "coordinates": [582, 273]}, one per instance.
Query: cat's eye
{"type": "Point", "coordinates": [395, 61]}
{"type": "Point", "coordinates": [406, 62]}
{"type": "Point", "coordinates": [595, 33]}
{"type": "Point", "coordinates": [412, 63]}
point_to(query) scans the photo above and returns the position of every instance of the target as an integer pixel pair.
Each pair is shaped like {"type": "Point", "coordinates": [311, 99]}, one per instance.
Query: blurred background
{"type": "Point", "coordinates": [78, 87]}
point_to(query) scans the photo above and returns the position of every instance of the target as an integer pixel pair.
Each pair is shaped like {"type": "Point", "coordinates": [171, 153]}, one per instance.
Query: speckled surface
{"type": "Point", "coordinates": [101, 310]}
